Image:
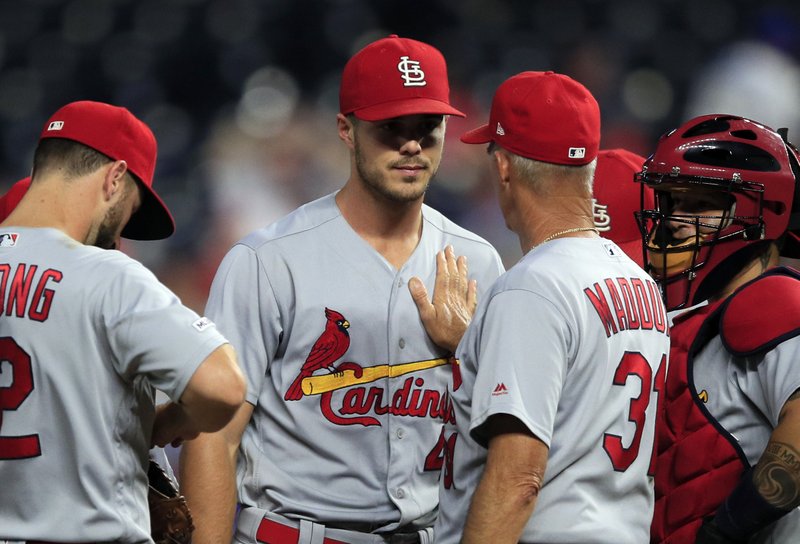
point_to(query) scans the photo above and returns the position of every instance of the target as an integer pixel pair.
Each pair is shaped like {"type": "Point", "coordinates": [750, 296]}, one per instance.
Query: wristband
{"type": "Point", "coordinates": [745, 511]}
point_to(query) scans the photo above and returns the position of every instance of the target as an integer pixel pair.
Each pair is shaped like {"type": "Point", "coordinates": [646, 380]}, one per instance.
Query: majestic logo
{"type": "Point", "coordinates": [55, 125]}
{"type": "Point", "coordinates": [358, 400]}
{"type": "Point", "coordinates": [412, 74]}
{"type": "Point", "coordinates": [500, 389]}
{"type": "Point", "coordinates": [8, 239]}
{"type": "Point", "coordinates": [601, 218]}
{"type": "Point", "coordinates": [577, 152]}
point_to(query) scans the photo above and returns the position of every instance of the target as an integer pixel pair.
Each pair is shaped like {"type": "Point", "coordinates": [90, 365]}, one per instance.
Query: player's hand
{"type": "Point", "coordinates": [455, 297]}
{"type": "Point", "coordinates": [172, 426]}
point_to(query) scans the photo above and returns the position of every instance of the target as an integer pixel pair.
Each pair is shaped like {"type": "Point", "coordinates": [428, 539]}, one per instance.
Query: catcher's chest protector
{"type": "Point", "coordinates": [697, 464]}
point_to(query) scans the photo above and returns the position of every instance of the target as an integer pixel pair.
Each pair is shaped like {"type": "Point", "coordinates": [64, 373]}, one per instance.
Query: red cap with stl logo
{"type": "Point", "coordinates": [617, 197]}
{"type": "Point", "coordinates": [395, 76]}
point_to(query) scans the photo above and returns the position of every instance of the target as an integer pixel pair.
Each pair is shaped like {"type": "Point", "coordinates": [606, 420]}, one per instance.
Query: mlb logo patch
{"type": "Point", "coordinates": [55, 125]}
{"type": "Point", "coordinates": [8, 239]}
{"type": "Point", "coordinates": [611, 249]}
{"type": "Point", "coordinates": [577, 152]}
{"type": "Point", "coordinates": [202, 324]}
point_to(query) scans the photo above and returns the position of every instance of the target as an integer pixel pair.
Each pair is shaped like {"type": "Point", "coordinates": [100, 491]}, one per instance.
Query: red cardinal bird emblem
{"type": "Point", "coordinates": [330, 346]}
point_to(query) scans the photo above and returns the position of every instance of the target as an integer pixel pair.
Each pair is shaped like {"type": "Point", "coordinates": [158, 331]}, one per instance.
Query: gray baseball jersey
{"type": "Point", "coordinates": [359, 448]}
{"type": "Point", "coordinates": [85, 336]}
{"type": "Point", "coordinates": [572, 341]}
{"type": "Point", "coordinates": [746, 395]}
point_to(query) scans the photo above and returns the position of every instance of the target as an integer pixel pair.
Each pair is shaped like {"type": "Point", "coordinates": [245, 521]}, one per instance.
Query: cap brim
{"type": "Point", "coordinates": [152, 221]}
{"type": "Point", "coordinates": [399, 108]}
{"type": "Point", "coordinates": [480, 135]}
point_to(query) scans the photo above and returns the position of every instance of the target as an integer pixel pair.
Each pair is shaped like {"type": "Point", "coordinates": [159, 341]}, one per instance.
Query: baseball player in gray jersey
{"type": "Point", "coordinates": [87, 335]}
{"type": "Point", "coordinates": [728, 454]}
{"type": "Point", "coordinates": [341, 436]}
{"type": "Point", "coordinates": [552, 434]}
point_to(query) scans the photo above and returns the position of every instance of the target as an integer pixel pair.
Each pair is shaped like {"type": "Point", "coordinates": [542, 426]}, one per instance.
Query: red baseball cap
{"type": "Point", "coordinates": [544, 116]}
{"type": "Point", "coordinates": [10, 200]}
{"type": "Point", "coordinates": [617, 196]}
{"type": "Point", "coordinates": [395, 76]}
{"type": "Point", "coordinates": [118, 134]}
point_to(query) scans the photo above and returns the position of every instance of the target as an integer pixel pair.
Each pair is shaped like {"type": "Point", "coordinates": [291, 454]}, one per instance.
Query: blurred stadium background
{"type": "Point", "coordinates": [242, 94]}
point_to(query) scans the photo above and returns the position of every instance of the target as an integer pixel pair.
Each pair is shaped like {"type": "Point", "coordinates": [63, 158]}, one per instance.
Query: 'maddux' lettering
{"type": "Point", "coordinates": [634, 304]}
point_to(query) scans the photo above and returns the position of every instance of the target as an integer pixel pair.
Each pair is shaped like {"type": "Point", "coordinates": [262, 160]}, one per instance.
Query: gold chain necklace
{"type": "Point", "coordinates": [567, 231]}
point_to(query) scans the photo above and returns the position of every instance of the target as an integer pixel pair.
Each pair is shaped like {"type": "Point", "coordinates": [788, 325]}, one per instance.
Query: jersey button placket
{"type": "Point", "coordinates": [400, 478]}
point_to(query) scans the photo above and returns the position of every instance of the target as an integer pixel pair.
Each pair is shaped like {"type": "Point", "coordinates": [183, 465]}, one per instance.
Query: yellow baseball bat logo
{"type": "Point", "coordinates": [316, 385]}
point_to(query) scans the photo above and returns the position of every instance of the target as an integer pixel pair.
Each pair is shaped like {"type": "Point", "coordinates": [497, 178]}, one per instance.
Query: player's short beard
{"type": "Point", "coordinates": [107, 231]}
{"type": "Point", "coordinates": [377, 181]}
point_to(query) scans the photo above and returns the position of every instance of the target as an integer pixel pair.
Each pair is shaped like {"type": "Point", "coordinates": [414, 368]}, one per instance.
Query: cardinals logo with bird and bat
{"type": "Point", "coordinates": [362, 399]}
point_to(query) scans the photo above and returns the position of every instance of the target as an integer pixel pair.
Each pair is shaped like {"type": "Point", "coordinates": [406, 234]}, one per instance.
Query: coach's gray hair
{"type": "Point", "coordinates": [539, 175]}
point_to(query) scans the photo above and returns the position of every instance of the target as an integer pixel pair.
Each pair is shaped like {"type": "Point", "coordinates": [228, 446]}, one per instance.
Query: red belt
{"type": "Point", "coordinates": [272, 532]}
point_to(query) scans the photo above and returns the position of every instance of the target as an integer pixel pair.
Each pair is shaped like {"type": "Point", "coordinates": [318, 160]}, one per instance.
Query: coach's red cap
{"type": "Point", "coordinates": [10, 200]}
{"type": "Point", "coordinates": [118, 134]}
{"type": "Point", "coordinates": [617, 196]}
{"type": "Point", "coordinates": [544, 116]}
{"type": "Point", "coordinates": [395, 76]}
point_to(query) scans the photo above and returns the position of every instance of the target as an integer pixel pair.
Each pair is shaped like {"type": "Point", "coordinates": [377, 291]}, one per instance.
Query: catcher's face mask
{"type": "Point", "coordinates": [723, 186]}
{"type": "Point", "coordinates": [681, 232]}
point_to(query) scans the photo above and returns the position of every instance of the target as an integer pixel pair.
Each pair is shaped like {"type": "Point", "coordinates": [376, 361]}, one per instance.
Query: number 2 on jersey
{"type": "Point", "coordinates": [12, 395]}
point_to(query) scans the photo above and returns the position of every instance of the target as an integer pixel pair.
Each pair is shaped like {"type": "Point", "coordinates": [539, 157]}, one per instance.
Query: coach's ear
{"type": "Point", "coordinates": [503, 164]}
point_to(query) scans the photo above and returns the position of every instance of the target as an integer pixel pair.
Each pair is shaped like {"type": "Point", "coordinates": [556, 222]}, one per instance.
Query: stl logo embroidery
{"type": "Point", "coordinates": [412, 74]}
{"type": "Point", "coordinates": [500, 389]}
{"type": "Point", "coordinates": [601, 218]}
{"type": "Point", "coordinates": [55, 125]}
{"type": "Point", "coordinates": [8, 239]}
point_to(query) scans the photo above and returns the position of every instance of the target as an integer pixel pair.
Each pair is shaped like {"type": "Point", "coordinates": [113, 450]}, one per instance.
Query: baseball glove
{"type": "Point", "coordinates": [170, 519]}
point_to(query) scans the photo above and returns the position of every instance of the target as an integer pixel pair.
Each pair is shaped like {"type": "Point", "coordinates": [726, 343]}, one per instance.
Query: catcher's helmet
{"type": "Point", "coordinates": [727, 163]}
